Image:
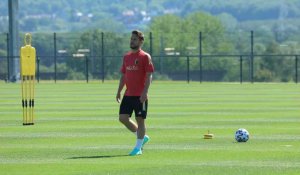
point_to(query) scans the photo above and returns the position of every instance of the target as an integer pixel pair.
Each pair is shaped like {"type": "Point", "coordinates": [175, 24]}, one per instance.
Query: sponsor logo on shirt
{"type": "Point", "coordinates": [136, 61]}
{"type": "Point", "coordinates": [132, 68]}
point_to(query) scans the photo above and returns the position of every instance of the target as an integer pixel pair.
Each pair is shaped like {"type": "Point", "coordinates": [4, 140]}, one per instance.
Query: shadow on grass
{"type": "Point", "coordinates": [97, 157]}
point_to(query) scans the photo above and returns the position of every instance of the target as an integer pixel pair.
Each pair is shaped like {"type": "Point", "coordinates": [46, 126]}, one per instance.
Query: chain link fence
{"type": "Point", "coordinates": [230, 57]}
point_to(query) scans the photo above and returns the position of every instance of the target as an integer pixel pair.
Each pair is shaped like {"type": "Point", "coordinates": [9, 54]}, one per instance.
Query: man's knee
{"type": "Point", "coordinates": [140, 121]}
{"type": "Point", "coordinates": [124, 118]}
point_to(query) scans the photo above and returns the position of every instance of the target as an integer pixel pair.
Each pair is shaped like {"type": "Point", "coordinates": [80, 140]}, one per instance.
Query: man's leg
{"type": "Point", "coordinates": [140, 137]}
{"type": "Point", "coordinates": [141, 130]}
{"type": "Point", "coordinates": [140, 113]}
{"type": "Point", "coordinates": [125, 119]}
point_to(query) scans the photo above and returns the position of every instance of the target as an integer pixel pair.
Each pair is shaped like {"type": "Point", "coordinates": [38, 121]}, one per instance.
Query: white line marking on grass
{"type": "Point", "coordinates": [287, 145]}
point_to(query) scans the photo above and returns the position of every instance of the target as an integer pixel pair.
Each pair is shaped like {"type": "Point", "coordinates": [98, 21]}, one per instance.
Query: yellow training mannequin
{"type": "Point", "coordinates": [27, 65]}
{"type": "Point", "coordinates": [28, 57]}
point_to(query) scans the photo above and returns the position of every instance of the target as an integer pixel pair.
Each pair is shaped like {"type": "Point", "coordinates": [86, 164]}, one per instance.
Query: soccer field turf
{"type": "Point", "coordinates": [77, 130]}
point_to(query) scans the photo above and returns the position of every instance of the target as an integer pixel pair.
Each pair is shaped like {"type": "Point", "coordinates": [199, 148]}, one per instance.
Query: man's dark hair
{"type": "Point", "coordinates": [139, 34]}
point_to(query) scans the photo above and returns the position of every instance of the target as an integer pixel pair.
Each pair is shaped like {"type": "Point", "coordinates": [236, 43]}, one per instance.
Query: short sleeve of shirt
{"type": "Point", "coordinates": [149, 65]}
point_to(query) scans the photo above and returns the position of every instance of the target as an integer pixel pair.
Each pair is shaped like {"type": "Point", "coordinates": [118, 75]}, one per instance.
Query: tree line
{"type": "Point", "coordinates": [121, 16]}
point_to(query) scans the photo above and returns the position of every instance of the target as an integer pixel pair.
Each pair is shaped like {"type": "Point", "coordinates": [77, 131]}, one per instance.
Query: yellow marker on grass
{"type": "Point", "coordinates": [208, 135]}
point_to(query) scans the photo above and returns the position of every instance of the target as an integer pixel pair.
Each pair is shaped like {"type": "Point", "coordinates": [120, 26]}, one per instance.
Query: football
{"type": "Point", "coordinates": [241, 135]}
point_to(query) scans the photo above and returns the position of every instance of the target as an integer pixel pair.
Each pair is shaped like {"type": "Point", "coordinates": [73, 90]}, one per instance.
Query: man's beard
{"type": "Point", "coordinates": [134, 47]}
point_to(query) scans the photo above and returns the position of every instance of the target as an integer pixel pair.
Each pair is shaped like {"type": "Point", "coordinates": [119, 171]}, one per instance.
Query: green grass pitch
{"type": "Point", "coordinates": [77, 130]}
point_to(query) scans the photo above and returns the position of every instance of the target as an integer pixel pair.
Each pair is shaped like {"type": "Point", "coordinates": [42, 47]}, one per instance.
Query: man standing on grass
{"type": "Point", "coordinates": [137, 69]}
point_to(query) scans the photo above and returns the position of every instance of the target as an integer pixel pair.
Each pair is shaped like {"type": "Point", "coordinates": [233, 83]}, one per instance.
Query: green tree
{"type": "Point", "coordinates": [114, 48]}
{"type": "Point", "coordinates": [270, 68]}
{"type": "Point", "coordinates": [171, 31]}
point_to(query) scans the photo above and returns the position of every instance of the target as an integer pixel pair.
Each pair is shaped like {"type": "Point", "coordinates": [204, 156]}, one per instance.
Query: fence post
{"type": "Point", "coordinates": [200, 57]}
{"type": "Point", "coordinates": [188, 68]}
{"type": "Point", "coordinates": [38, 69]}
{"type": "Point", "coordinates": [252, 57]}
{"type": "Point", "coordinates": [102, 55]}
{"type": "Point", "coordinates": [87, 69]}
{"type": "Point", "coordinates": [55, 57]}
{"type": "Point", "coordinates": [151, 42]}
{"type": "Point", "coordinates": [161, 54]}
{"type": "Point", "coordinates": [241, 69]}
{"type": "Point", "coordinates": [296, 68]}
{"type": "Point", "coordinates": [7, 55]}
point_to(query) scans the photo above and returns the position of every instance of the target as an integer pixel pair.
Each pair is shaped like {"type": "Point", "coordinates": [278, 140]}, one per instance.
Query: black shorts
{"type": "Point", "coordinates": [132, 103]}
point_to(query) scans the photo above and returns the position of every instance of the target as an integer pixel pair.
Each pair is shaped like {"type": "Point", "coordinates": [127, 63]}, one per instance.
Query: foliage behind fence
{"type": "Point", "coordinates": [233, 56]}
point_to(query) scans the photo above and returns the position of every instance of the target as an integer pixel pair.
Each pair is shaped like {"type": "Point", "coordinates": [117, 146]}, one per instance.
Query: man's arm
{"type": "Point", "coordinates": [121, 85]}
{"type": "Point", "coordinates": [144, 95]}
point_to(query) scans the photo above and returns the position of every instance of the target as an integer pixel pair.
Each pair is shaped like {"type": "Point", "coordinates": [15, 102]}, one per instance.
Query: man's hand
{"type": "Point", "coordinates": [118, 97]}
{"type": "Point", "coordinates": [143, 97]}
{"type": "Point", "coordinates": [121, 85]}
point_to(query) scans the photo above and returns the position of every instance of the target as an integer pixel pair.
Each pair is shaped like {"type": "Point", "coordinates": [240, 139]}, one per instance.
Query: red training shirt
{"type": "Point", "coordinates": [134, 67]}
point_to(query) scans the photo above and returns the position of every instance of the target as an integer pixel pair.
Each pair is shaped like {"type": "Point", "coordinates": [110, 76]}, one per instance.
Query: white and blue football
{"type": "Point", "coordinates": [241, 135]}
